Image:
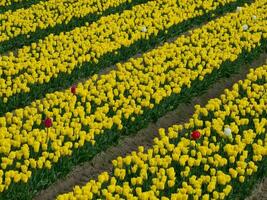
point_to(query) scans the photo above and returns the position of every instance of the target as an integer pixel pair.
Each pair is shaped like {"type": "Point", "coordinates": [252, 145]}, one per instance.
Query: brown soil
{"type": "Point", "coordinates": [102, 162]}
{"type": "Point", "coordinates": [260, 191]}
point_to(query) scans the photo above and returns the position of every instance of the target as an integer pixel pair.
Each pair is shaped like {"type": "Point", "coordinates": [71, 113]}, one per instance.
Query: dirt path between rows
{"type": "Point", "coordinates": [260, 191]}
{"type": "Point", "coordinates": [102, 162]}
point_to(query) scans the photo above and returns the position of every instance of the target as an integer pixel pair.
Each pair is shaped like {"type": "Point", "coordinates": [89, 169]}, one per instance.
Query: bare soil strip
{"type": "Point", "coordinates": [260, 191]}
{"type": "Point", "coordinates": [102, 162]}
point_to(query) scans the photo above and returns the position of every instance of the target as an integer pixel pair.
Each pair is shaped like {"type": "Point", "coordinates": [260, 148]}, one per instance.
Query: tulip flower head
{"type": "Point", "coordinates": [195, 135]}
{"type": "Point", "coordinates": [254, 17]}
{"type": "Point", "coordinates": [227, 132]}
{"type": "Point", "coordinates": [144, 29]}
{"type": "Point", "coordinates": [73, 89]}
{"type": "Point", "coordinates": [48, 122]}
{"type": "Point", "coordinates": [245, 27]}
{"type": "Point", "coordinates": [238, 9]}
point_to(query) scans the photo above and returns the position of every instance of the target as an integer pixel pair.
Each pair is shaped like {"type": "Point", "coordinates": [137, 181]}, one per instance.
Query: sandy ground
{"type": "Point", "coordinates": [102, 162]}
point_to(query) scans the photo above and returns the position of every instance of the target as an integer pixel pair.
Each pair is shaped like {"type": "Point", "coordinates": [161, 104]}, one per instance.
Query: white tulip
{"type": "Point", "coordinates": [238, 9]}
{"type": "Point", "coordinates": [144, 29]}
{"type": "Point", "coordinates": [245, 27]}
{"type": "Point", "coordinates": [254, 17]}
{"type": "Point", "coordinates": [228, 132]}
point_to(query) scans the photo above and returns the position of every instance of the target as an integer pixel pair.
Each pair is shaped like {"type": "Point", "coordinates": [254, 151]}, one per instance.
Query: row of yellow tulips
{"type": "Point", "coordinates": [9, 2]}
{"type": "Point", "coordinates": [48, 14]}
{"type": "Point", "coordinates": [75, 117]}
{"type": "Point", "coordinates": [55, 54]}
{"type": "Point", "coordinates": [209, 157]}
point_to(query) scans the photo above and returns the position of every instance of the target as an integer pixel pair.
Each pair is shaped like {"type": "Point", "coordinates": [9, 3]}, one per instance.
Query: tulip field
{"type": "Point", "coordinates": [77, 76]}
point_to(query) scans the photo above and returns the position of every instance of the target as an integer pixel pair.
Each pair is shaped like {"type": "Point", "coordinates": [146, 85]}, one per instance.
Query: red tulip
{"type": "Point", "coordinates": [195, 135]}
{"type": "Point", "coordinates": [48, 122]}
{"type": "Point", "coordinates": [73, 89]}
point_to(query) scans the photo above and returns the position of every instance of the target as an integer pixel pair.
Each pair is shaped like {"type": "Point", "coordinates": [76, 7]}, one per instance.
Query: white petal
{"type": "Point", "coordinates": [245, 27]}
{"type": "Point", "coordinates": [228, 132]}
{"type": "Point", "coordinates": [143, 29]}
{"type": "Point", "coordinates": [238, 9]}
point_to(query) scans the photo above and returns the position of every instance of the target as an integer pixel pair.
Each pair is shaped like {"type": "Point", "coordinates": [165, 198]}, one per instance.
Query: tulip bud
{"type": "Point", "coordinates": [245, 27]}
{"type": "Point", "coordinates": [48, 122]}
{"type": "Point", "coordinates": [228, 132]}
{"type": "Point", "coordinates": [73, 89]}
{"type": "Point", "coordinates": [195, 135]}
{"type": "Point", "coordinates": [238, 9]}
{"type": "Point", "coordinates": [144, 29]}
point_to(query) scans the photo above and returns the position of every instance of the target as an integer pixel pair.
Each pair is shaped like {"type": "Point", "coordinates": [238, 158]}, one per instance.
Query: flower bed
{"type": "Point", "coordinates": [84, 119]}
{"type": "Point", "coordinates": [44, 61]}
{"type": "Point", "coordinates": [9, 2]}
{"type": "Point", "coordinates": [51, 14]}
{"type": "Point", "coordinates": [216, 155]}
{"type": "Point", "coordinates": [6, 5]}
